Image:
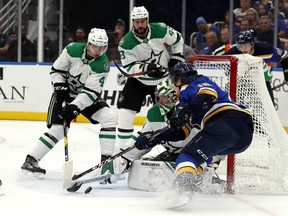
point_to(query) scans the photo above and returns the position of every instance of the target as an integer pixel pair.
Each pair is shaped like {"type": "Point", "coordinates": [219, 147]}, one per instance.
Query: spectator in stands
{"type": "Point", "coordinates": [267, 4]}
{"type": "Point", "coordinates": [194, 45]}
{"type": "Point", "coordinates": [80, 35]}
{"type": "Point", "coordinates": [187, 51]}
{"type": "Point", "coordinates": [282, 28]}
{"type": "Point", "coordinates": [114, 38]}
{"type": "Point", "coordinates": [265, 33]}
{"type": "Point", "coordinates": [224, 39]}
{"type": "Point", "coordinates": [54, 47]}
{"type": "Point", "coordinates": [203, 28]}
{"type": "Point", "coordinates": [27, 49]}
{"type": "Point", "coordinates": [262, 10]}
{"type": "Point", "coordinates": [4, 44]}
{"type": "Point", "coordinates": [47, 45]}
{"type": "Point", "coordinates": [244, 25]}
{"type": "Point", "coordinates": [236, 27]}
{"type": "Point", "coordinates": [240, 13]}
{"type": "Point", "coordinates": [12, 36]}
{"type": "Point", "coordinates": [212, 42]}
{"type": "Point", "coordinates": [252, 17]}
{"type": "Point", "coordinates": [283, 9]}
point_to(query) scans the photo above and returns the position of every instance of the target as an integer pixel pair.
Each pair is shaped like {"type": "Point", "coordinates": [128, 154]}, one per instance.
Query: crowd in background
{"type": "Point", "coordinates": [256, 15]}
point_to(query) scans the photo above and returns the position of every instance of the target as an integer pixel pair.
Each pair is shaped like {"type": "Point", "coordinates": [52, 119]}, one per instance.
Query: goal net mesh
{"type": "Point", "coordinates": [263, 166]}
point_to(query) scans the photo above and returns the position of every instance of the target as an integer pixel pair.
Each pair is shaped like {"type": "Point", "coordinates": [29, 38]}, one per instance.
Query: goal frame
{"type": "Point", "coordinates": [232, 91]}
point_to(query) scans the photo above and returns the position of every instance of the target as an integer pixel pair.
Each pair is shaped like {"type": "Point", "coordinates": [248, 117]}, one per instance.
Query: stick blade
{"type": "Point", "coordinates": [68, 172]}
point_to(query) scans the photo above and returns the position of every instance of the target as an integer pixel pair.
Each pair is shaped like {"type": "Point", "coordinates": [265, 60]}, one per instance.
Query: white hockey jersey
{"type": "Point", "coordinates": [85, 77]}
{"type": "Point", "coordinates": [160, 43]}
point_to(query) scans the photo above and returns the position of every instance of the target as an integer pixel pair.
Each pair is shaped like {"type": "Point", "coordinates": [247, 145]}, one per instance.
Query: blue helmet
{"type": "Point", "coordinates": [245, 37]}
{"type": "Point", "coordinates": [182, 70]}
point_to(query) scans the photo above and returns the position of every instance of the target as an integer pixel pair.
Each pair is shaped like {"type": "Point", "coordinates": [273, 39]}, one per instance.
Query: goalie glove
{"type": "Point", "coordinates": [175, 59]}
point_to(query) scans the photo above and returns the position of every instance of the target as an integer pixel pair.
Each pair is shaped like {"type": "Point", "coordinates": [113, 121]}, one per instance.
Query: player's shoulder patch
{"type": "Point", "coordinates": [107, 66]}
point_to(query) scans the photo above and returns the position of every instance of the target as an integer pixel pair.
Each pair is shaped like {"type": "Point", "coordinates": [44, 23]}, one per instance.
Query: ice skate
{"type": "Point", "coordinates": [31, 165]}
{"type": "Point", "coordinates": [183, 188]}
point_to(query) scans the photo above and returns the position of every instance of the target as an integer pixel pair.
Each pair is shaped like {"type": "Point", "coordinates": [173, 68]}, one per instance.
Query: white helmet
{"type": "Point", "coordinates": [165, 88]}
{"type": "Point", "coordinates": [139, 13]}
{"type": "Point", "coordinates": [99, 38]}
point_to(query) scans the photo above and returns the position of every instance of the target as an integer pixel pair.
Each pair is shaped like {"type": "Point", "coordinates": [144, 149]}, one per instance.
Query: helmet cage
{"type": "Point", "coordinates": [165, 88]}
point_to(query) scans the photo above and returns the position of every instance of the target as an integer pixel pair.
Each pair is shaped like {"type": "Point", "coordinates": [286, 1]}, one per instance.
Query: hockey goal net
{"type": "Point", "coordinates": [263, 166]}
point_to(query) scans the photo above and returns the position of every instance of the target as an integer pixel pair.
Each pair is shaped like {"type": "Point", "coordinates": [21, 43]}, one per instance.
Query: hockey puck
{"type": "Point", "coordinates": [88, 190]}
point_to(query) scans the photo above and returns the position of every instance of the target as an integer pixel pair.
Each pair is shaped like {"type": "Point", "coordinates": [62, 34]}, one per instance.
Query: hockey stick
{"type": "Point", "coordinates": [68, 166]}
{"type": "Point", "coordinates": [135, 74]}
{"type": "Point", "coordinates": [280, 85]}
{"type": "Point", "coordinates": [77, 184]}
{"type": "Point", "coordinates": [153, 135]}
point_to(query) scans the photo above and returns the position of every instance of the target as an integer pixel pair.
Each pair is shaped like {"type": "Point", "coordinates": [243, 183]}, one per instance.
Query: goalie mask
{"type": "Point", "coordinates": [165, 96]}
{"type": "Point", "coordinates": [97, 42]}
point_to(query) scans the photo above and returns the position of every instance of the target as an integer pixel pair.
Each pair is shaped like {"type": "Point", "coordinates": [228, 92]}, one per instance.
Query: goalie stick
{"type": "Point", "coordinates": [280, 85]}
{"type": "Point", "coordinates": [135, 74]}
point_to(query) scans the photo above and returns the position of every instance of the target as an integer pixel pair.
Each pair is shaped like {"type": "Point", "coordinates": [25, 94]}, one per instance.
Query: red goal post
{"type": "Point", "coordinates": [258, 168]}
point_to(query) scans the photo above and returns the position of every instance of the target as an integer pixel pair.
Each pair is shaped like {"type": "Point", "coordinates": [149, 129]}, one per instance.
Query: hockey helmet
{"type": "Point", "coordinates": [99, 38]}
{"type": "Point", "coordinates": [245, 37]}
{"type": "Point", "coordinates": [184, 71]}
{"type": "Point", "coordinates": [139, 13]}
{"type": "Point", "coordinates": [165, 88]}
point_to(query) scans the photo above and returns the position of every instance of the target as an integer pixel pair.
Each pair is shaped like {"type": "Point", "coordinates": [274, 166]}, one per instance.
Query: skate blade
{"type": "Point", "coordinates": [33, 174]}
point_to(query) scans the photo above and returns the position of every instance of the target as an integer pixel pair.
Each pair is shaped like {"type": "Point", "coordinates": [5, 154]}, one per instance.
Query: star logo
{"type": "Point", "coordinates": [75, 83]}
{"type": "Point", "coordinates": [154, 58]}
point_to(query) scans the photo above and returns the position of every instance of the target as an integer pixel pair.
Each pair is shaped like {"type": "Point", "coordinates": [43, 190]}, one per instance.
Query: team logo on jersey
{"type": "Point", "coordinates": [154, 58]}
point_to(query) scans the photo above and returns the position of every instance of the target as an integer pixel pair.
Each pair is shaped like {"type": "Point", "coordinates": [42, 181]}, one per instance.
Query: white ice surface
{"type": "Point", "coordinates": [26, 195]}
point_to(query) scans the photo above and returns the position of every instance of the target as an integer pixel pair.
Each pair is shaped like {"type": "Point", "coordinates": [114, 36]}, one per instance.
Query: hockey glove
{"type": "Point", "coordinates": [175, 58]}
{"type": "Point", "coordinates": [285, 74]}
{"type": "Point", "coordinates": [154, 70]}
{"type": "Point", "coordinates": [62, 92]}
{"type": "Point", "coordinates": [180, 119]}
{"type": "Point", "coordinates": [144, 141]}
{"type": "Point", "coordinates": [69, 112]}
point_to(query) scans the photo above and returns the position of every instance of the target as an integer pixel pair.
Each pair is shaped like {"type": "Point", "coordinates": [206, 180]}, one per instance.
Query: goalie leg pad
{"type": "Point", "coordinates": [148, 175]}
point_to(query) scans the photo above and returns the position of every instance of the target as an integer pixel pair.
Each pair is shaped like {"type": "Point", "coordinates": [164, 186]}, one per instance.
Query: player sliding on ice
{"type": "Point", "coordinates": [226, 127]}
